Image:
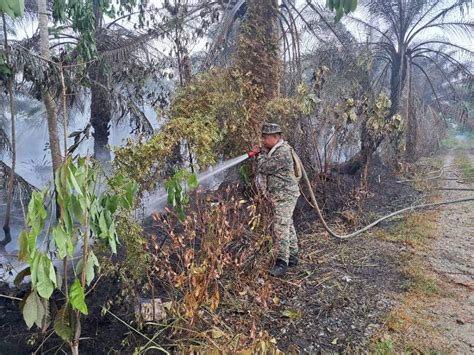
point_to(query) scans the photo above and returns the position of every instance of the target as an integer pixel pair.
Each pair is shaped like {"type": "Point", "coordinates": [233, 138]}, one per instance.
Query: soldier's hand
{"type": "Point", "coordinates": [254, 152]}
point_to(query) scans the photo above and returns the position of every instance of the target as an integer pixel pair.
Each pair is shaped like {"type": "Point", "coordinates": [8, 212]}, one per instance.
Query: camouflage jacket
{"type": "Point", "coordinates": [278, 167]}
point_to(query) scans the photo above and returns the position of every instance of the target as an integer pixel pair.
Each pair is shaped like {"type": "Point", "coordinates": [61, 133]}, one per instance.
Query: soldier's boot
{"type": "Point", "coordinates": [279, 269]}
{"type": "Point", "coordinates": [293, 261]}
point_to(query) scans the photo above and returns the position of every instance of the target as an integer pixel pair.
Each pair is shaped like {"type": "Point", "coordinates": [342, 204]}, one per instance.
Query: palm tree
{"type": "Point", "coordinates": [404, 42]}
{"type": "Point", "coordinates": [119, 48]}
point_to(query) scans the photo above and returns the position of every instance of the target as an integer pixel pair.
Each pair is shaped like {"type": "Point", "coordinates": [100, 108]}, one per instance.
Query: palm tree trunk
{"type": "Point", "coordinates": [100, 114]}
{"type": "Point", "coordinates": [412, 124]}
{"type": "Point", "coordinates": [47, 98]}
{"type": "Point", "coordinates": [101, 107]}
{"type": "Point", "coordinates": [258, 59]}
{"type": "Point", "coordinates": [11, 177]}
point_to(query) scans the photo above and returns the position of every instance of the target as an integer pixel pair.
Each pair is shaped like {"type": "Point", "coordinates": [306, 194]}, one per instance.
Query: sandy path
{"type": "Point", "coordinates": [452, 258]}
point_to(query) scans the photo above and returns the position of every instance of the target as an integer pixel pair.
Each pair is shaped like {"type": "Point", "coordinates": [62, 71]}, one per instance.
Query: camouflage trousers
{"type": "Point", "coordinates": [285, 239]}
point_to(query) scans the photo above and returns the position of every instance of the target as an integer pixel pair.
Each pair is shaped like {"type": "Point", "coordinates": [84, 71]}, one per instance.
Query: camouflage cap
{"type": "Point", "coordinates": [271, 128]}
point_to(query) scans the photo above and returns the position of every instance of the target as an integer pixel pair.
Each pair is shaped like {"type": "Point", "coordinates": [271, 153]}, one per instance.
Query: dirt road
{"type": "Point", "coordinates": [452, 259]}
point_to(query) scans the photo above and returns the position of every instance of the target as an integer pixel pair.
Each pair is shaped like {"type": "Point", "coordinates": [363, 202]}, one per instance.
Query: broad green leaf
{"type": "Point", "coordinates": [65, 323]}
{"type": "Point", "coordinates": [113, 244]}
{"type": "Point", "coordinates": [193, 182]}
{"type": "Point", "coordinates": [33, 311]}
{"type": "Point", "coordinates": [339, 13]}
{"type": "Point", "coordinates": [21, 275]}
{"type": "Point", "coordinates": [73, 181]}
{"type": "Point", "coordinates": [45, 277]}
{"type": "Point", "coordinates": [32, 237]}
{"type": "Point", "coordinates": [58, 183]}
{"type": "Point", "coordinates": [34, 269]}
{"type": "Point", "coordinates": [103, 223]}
{"type": "Point", "coordinates": [91, 262]}
{"type": "Point", "coordinates": [111, 203]}
{"type": "Point", "coordinates": [131, 190]}
{"type": "Point", "coordinates": [354, 5]}
{"type": "Point", "coordinates": [76, 208]}
{"type": "Point", "coordinates": [31, 207]}
{"type": "Point", "coordinates": [68, 221]}
{"type": "Point", "coordinates": [62, 241]}
{"type": "Point", "coordinates": [16, 7]}
{"type": "Point", "coordinates": [77, 298]}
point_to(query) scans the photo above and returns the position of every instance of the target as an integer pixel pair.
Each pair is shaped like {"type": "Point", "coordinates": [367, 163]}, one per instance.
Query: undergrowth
{"type": "Point", "coordinates": [210, 271]}
{"type": "Point", "coordinates": [465, 165]}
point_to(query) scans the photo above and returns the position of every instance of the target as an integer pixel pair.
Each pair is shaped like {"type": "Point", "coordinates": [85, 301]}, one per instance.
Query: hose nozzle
{"type": "Point", "coordinates": [253, 153]}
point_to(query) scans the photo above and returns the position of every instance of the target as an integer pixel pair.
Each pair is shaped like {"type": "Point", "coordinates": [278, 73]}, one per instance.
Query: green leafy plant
{"type": "Point", "coordinates": [177, 188]}
{"type": "Point", "coordinates": [377, 123]}
{"type": "Point", "coordinates": [13, 8]}
{"type": "Point", "coordinates": [341, 7]}
{"type": "Point", "coordinates": [88, 213]}
{"type": "Point", "coordinates": [385, 346]}
{"type": "Point", "coordinates": [6, 71]}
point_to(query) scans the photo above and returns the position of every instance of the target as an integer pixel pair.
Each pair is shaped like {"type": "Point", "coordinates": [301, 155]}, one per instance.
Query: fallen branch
{"type": "Point", "coordinates": [11, 297]}
{"type": "Point", "coordinates": [135, 330]}
{"type": "Point", "coordinates": [454, 189]}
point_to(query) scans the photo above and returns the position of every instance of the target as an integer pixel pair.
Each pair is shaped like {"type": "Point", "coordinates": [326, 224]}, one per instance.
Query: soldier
{"type": "Point", "coordinates": [280, 165]}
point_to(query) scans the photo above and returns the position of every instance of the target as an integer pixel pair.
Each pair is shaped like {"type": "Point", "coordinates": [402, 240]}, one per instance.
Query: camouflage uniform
{"type": "Point", "coordinates": [283, 191]}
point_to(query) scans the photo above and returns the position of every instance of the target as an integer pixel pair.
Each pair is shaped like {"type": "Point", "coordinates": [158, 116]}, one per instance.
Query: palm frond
{"type": "Point", "coordinates": [444, 43]}
{"type": "Point", "coordinates": [441, 71]}
{"type": "Point", "coordinates": [458, 5]}
{"type": "Point", "coordinates": [384, 34]}
{"type": "Point", "coordinates": [428, 79]}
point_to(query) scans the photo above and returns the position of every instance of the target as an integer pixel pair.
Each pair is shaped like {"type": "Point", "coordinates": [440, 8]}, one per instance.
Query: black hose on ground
{"type": "Point", "coordinates": [366, 228]}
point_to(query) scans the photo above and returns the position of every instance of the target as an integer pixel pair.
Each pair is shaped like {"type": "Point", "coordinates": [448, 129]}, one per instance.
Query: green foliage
{"type": "Point", "coordinates": [81, 16]}
{"type": "Point", "coordinates": [341, 7]}
{"type": "Point", "coordinates": [65, 323]}
{"type": "Point", "coordinates": [177, 188]}
{"type": "Point", "coordinates": [385, 346]}
{"type": "Point", "coordinates": [77, 297]}
{"type": "Point", "coordinates": [13, 8]}
{"type": "Point", "coordinates": [35, 310]}
{"type": "Point", "coordinates": [245, 172]}
{"type": "Point", "coordinates": [85, 213]}
{"type": "Point", "coordinates": [377, 123]}
{"type": "Point", "coordinates": [208, 118]}
{"type": "Point", "coordinates": [6, 72]}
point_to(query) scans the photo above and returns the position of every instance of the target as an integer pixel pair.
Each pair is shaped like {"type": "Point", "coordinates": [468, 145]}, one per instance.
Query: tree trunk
{"type": "Point", "coordinates": [47, 98]}
{"type": "Point", "coordinates": [101, 107]}
{"type": "Point", "coordinates": [412, 124]}
{"type": "Point", "coordinates": [258, 60]}
{"type": "Point", "coordinates": [6, 224]}
{"type": "Point", "coordinates": [101, 115]}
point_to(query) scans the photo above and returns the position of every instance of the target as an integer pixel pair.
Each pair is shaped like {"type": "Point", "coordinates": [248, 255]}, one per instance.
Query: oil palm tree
{"type": "Point", "coordinates": [405, 39]}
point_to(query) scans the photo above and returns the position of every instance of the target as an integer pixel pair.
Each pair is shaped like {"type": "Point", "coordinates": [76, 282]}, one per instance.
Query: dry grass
{"type": "Point", "coordinates": [465, 165]}
{"type": "Point", "coordinates": [415, 231]}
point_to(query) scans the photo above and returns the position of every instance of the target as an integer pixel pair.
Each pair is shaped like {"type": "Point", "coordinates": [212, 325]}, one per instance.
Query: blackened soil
{"type": "Point", "coordinates": [339, 294]}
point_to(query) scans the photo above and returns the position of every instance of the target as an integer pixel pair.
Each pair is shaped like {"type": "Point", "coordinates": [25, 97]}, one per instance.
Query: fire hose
{"type": "Point", "coordinates": [315, 205]}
